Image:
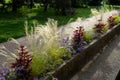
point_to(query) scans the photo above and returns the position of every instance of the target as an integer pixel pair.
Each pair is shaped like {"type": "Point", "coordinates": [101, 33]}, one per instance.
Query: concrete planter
{"type": "Point", "coordinates": [77, 62]}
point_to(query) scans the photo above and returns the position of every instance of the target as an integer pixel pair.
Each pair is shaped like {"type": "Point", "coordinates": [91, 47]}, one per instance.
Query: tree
{"type": "Point", "coordinates": [115, 2]}
{"type": "Point", "coordinates": [95, 2]}
{"type": "Point", "coordinates": [45, 4]}
{"type": "Point", "coordinates": [16, 4]}
{"type": "Point", "coordinates": [3, 4]}
{"type": "Point", "coordinates": [75, 3]}
{"type": "Point", "coordinates": [29, 3]}
{"type": "Point", "coordinates": [63, 7]}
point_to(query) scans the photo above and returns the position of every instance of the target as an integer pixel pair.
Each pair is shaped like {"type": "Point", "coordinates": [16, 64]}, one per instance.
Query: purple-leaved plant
{"type": "Point", "coordinates": [22, 64]}
{"type": "Point", "coordinates": [111, 21]}
{"type": "Point", "coordinates": [99, 27]}
{"type": "Point", "coordinates": [78, 41]}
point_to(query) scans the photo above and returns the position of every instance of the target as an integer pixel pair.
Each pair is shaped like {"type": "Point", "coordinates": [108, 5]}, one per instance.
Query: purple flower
{"type": "Point", "coordinates": [20, 68]}
{"type": "Point", "coordinates": [80, 49]}
{"type": "Point", "coordinates": [35, 78]}
{"type": "Point", "coordinates": [74, 52]}
{"type": "Point", "coordinates": [2, 78]}
{"type": "Point", "coordinates": [69, 48]}
{"type": "Point", "coordinates": [84, 43]}
{"type": "Point", "coordinates": [4, 71]}
{"type": "Point", "coordinates": [65, 40]}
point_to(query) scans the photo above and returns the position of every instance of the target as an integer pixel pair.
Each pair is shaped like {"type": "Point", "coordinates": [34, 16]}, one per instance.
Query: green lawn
{"type": "Point", "coordinates": [12, 24]}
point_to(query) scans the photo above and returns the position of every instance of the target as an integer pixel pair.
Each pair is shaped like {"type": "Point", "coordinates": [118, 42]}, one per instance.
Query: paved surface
{"type": "Point", "coordinates": [105, 66]}
{"type": "Point", "coordinates": [10, 47]}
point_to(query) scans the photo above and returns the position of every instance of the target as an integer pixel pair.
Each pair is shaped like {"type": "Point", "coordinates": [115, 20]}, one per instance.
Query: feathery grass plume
{"type": "Point", "coordinates": [95, 12]}
{"type": "Point", "coordinates": [44, 45]}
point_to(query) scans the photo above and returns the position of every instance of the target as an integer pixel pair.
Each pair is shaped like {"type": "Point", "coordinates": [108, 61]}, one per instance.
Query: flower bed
{"type": "Point", "coordinates": [77, 62]}
{"type": "Point", "coordinates": [48, 48]}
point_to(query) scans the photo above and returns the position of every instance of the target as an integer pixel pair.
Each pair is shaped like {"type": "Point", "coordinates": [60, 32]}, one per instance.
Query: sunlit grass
{"type": "Point", "coordinates": [12, 24]}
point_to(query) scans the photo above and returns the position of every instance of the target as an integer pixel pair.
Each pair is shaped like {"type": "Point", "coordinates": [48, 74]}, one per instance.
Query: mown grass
{"type": "Point", "coordinates": [12, 24]}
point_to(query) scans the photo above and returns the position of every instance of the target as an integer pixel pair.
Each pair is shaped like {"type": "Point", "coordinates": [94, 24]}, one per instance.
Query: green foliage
{"type": "Point", "coordinates": [59, 52]}
{"type": "Point", "coordinates": [39, 65]}
{"type": "Point", "coordinates": [64, 7]}
{"type": "Point", "coordinates": [117, 19]}
{"type": "Point", "coordinates": [64, 53]}
{"type": "Point", "coordinates": [105, 29]}
{"type": "Point", "coordinates": [12, 24]}
{"type": "Point", "coordinates": [95, 2]}
{"type": "Point", "coordinates": [89, 35]}
{"type": "Point", "coordinates": [114, 2]}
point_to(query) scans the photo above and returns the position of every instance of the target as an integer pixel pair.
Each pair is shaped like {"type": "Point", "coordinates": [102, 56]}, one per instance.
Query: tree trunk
{"type": "Point", "coordinates": [31, 4]}
{"type": "Point", "coordinates": [45, 7]}
{"type": "Point", "coordinates": [14, 8]}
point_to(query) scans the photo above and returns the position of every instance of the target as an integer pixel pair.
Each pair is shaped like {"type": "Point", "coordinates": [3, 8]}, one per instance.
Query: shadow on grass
{"type": "Point", "coordinates": [12, 24]}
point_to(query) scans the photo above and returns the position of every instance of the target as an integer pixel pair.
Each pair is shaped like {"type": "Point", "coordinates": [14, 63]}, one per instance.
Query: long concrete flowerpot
{"type": "Point", "coordinates": [77, 62]}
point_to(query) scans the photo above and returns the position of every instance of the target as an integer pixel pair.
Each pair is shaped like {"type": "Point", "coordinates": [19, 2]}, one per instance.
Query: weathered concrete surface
{"type": "Point", "coordinates": [105, 66]}
{"type": "Point", "coordinates": [10, 47]}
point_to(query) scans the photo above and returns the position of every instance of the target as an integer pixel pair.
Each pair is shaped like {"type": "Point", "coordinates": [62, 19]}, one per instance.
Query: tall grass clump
{"type": "Point", "coordinates": [48, 47]}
